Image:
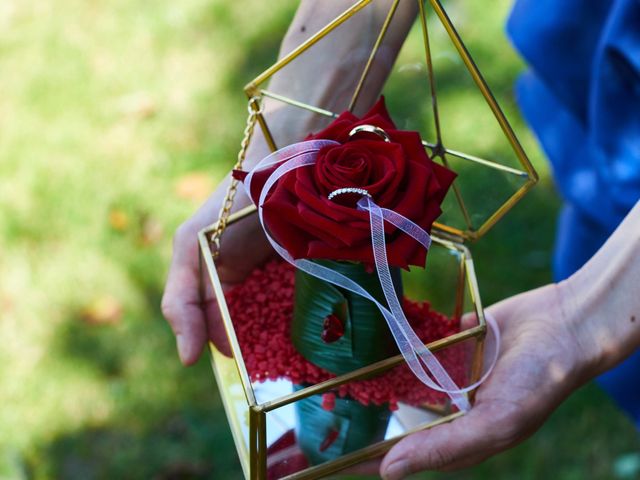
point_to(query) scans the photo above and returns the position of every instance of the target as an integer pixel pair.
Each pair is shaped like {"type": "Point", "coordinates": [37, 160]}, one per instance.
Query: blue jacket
{"type": "Point", "coordinates": [582, 98]}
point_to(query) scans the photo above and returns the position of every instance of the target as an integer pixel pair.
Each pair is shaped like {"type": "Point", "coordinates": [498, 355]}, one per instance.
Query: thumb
{"type": "Point", "coordinates": [181, 303]}
{"type": "Point", "coordinates": [495, 422]}
{"type": "Point", "coordinates": [466, 441]}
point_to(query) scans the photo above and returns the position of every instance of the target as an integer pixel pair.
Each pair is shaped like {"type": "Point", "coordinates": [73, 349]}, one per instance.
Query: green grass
{"type": "Point", "coordinates": [116, 119]}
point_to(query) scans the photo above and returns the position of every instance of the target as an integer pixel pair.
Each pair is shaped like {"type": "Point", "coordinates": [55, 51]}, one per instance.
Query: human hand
{"type": "Point", "coordinates": [193, 313]}
{"type": "Point", "coordinates": [554, 339]}
{"type": "Point", "coordinates": [244, 245]}
{"type": "Point", "coordinates": [542, 360]}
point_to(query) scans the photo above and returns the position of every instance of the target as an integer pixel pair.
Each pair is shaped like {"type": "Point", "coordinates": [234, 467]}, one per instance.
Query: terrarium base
{"type": "Point", "coordinates": [262, 310]}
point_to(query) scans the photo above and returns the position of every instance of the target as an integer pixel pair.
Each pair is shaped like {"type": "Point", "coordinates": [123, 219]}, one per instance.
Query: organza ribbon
{"type": "Point", "coordinates": [422, 362]}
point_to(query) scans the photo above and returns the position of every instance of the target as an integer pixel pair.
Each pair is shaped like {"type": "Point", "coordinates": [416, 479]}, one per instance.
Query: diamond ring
{"type": "Point", "coordinates": [342, 191]}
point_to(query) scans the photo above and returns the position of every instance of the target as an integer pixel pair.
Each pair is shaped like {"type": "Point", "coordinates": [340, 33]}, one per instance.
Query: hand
{"type": "Point", "coordinates": [194, 315]}
{"type": "Point", "coordinates": [555, 338]}
{"type": "Point", "coordinates": [244, 245]}
{"type": "Point", "coordinates": [541, 362]}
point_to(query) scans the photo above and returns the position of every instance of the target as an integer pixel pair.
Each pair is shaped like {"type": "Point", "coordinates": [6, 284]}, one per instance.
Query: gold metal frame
{"type": "Point", "coordinates": [254, 458]}
{"type": "Point", "coordinates": [437, 149]}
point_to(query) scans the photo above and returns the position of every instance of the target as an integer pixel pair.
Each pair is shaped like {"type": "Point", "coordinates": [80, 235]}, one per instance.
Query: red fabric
{"type": "Point", "coordinates": [284, 457]}
{"type": "Point", "coordinates": [262, 308]}
{"type": "Point", "coordinates": [399, 175]}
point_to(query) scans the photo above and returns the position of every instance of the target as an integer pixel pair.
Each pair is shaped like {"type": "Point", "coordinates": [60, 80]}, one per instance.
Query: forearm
{"type": "Point", "coordinates": [326, 76]}
{"type": "Point", "coordinates": [329, 72]}
{"type": "Point", "coordinates": [603, 299]}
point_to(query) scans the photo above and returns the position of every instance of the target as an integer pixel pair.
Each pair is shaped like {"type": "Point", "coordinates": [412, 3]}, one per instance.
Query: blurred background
{"type": "Point", "coordinates": [117, 119]}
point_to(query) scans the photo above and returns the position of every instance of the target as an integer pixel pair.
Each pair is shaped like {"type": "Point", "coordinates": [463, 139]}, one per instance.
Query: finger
{"type": "Point", "coordinates": [181, 302]}
{"type": "Point", "coordinates": [495, 423]}
{"type": "Point", "coordinates": [244, 246]}
{"type": "Point", "coordinates": [370, 467]}
{"type": "Point", "coordinates": [215, 325]}
{"type": "Point", "coordinates": [485, 430]}
{"type": "Point", "coordinates": [468, 320]}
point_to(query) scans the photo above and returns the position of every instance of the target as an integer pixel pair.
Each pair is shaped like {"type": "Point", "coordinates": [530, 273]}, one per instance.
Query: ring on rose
{"type": "Point", "coordinates": [370, 129]}
{"type": "Point", "coordinates": [342, 191]}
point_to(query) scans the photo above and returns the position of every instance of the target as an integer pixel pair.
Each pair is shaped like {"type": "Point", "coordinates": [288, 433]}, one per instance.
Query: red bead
{"type": "Point", "coordinates": [329, 401]}
{"type": "Point", "coordinates": [261, 309]}
{"type": "Point", "coordinates": [332, 329]}
{"type": "Point", "coordinates": [331, 437]}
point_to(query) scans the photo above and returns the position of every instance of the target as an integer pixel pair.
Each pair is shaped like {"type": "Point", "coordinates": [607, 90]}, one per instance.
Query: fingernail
{"type": "Point", "coordinates": [396, 471]}
{"type": "Point", "coordinates": [181, 342]}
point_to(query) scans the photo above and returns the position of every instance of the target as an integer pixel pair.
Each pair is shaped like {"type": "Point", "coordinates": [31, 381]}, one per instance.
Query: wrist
{"type": "Point", "coordinates": [577, 318]}
{"type": "Point", "coordinates": [602, 309]}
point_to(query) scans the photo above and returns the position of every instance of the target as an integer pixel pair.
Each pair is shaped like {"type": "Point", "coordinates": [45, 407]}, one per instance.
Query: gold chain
{"type": "Point", "coordinates": [255, 109]}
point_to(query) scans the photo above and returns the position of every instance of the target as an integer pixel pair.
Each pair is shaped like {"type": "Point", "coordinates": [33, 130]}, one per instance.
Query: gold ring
{"type": "Point", "coordinates": [370, 129]}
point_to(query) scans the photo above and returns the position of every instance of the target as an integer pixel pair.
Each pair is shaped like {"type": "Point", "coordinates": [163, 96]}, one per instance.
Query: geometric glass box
{"type": "Point", "coordinates": [261, 413]}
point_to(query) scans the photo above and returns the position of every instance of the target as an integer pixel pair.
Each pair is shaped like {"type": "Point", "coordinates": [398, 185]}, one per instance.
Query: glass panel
{"type": "Point", "coordinates": [459, 129]}
{"type": "Point", "coordinates": [342, 420]}
{"type": "Point", "coordinates": [478, 191]}
{"type": "Point", "coordinates": [442, 283]}
{"type": "Point", "coordinates": [235, 402]}
{"type": "Point", "coordinates": [282, 117]}
{"type": "Point", "coordinates": [293, 326]}
{"type": "Point", "coordinates": [456, 123]}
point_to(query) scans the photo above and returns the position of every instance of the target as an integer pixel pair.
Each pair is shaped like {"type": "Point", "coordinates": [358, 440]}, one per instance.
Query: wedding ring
{"type": "Point", "coordinates": [342, 191]}
{"type": "Point", "coordinates": [370, 129]}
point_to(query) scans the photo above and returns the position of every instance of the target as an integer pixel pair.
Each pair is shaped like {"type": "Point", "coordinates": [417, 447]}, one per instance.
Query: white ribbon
{"type": "Point", "coordinates": [422, 362]}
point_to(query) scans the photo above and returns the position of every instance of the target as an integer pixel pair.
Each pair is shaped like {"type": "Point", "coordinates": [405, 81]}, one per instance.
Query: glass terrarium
{"type": "Point", "coordinates": [289, 417]}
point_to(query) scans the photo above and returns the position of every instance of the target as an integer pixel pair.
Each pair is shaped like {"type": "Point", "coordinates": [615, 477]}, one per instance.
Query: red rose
{"type": "Point", "coordinates": [398, 174]}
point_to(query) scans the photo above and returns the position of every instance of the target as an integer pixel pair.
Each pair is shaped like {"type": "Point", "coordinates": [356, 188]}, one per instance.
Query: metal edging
{"type": "Point", "coordinates": [323, 32]}
{"type": "Point", "coordinates": [369, 370]}
{"type": "Point", "coordinates": [296, 103]}
{"type": "Point", "coordinates": [370, 452]}
{"type": "Point", "coordinates": [226, 318]}
{"type": "Point", "coordinates": [483, 86]}
{"type": "Point", "coordinates": [372, 55]}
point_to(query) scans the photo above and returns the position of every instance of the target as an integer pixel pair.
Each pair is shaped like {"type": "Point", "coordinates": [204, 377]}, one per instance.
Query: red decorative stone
{"type": "Point", "coordinates": [263, 327]}
{"type": "Point", "coordinates": [284, 457]}
{"type": "Point", "coordinates": [332, 329]}
{"type": "Point", "coordinates": [331, 437]}
{"type": "Point", "coordinates": [329, 401]}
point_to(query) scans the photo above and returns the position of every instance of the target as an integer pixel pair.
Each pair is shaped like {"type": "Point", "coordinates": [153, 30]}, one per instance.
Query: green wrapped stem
{"type": "Point", "coordinates": [321, 310]}
{"type": "Point", "coordinates": [366, 337]}
{"type": "Point", "coordinates": [326, 435]}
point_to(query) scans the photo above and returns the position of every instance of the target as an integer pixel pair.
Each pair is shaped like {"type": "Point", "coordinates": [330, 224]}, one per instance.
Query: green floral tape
{"type": "Point", "coordinates": [326, 435]}
{"type": "Point", "coordinates": [338, 330]}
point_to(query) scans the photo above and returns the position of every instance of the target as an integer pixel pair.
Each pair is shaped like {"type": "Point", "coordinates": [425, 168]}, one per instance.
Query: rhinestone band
{"type": "Point", "coordinates": [342, 191]}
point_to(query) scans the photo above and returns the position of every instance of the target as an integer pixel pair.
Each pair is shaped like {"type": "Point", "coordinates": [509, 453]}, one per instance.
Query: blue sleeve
{"type": "Point", "coordinates": [581, 97]}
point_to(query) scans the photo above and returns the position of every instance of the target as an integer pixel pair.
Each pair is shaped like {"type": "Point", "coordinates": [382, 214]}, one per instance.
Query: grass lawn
{"type": "Point", "coordinates": [117, 118]}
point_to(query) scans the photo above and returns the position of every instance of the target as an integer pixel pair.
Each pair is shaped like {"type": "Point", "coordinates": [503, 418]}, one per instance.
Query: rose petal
{"type": "Point", "coordinates": [399, 175]}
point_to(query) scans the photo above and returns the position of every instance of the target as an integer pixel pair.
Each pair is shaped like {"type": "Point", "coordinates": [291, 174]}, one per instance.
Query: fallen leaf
{"type": "Point", "coordinates": [7, 303]}
{"type": "Point", "coordinates": [195, 186]}
{"type": "Point", "coordinates": [118, 219]}
{"type": "Point", "coordinates": [138, 105]}
{"type": "Point", "coordinates": [151, 231]}
{"type": "Point", "coordinates": [103, 310]}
